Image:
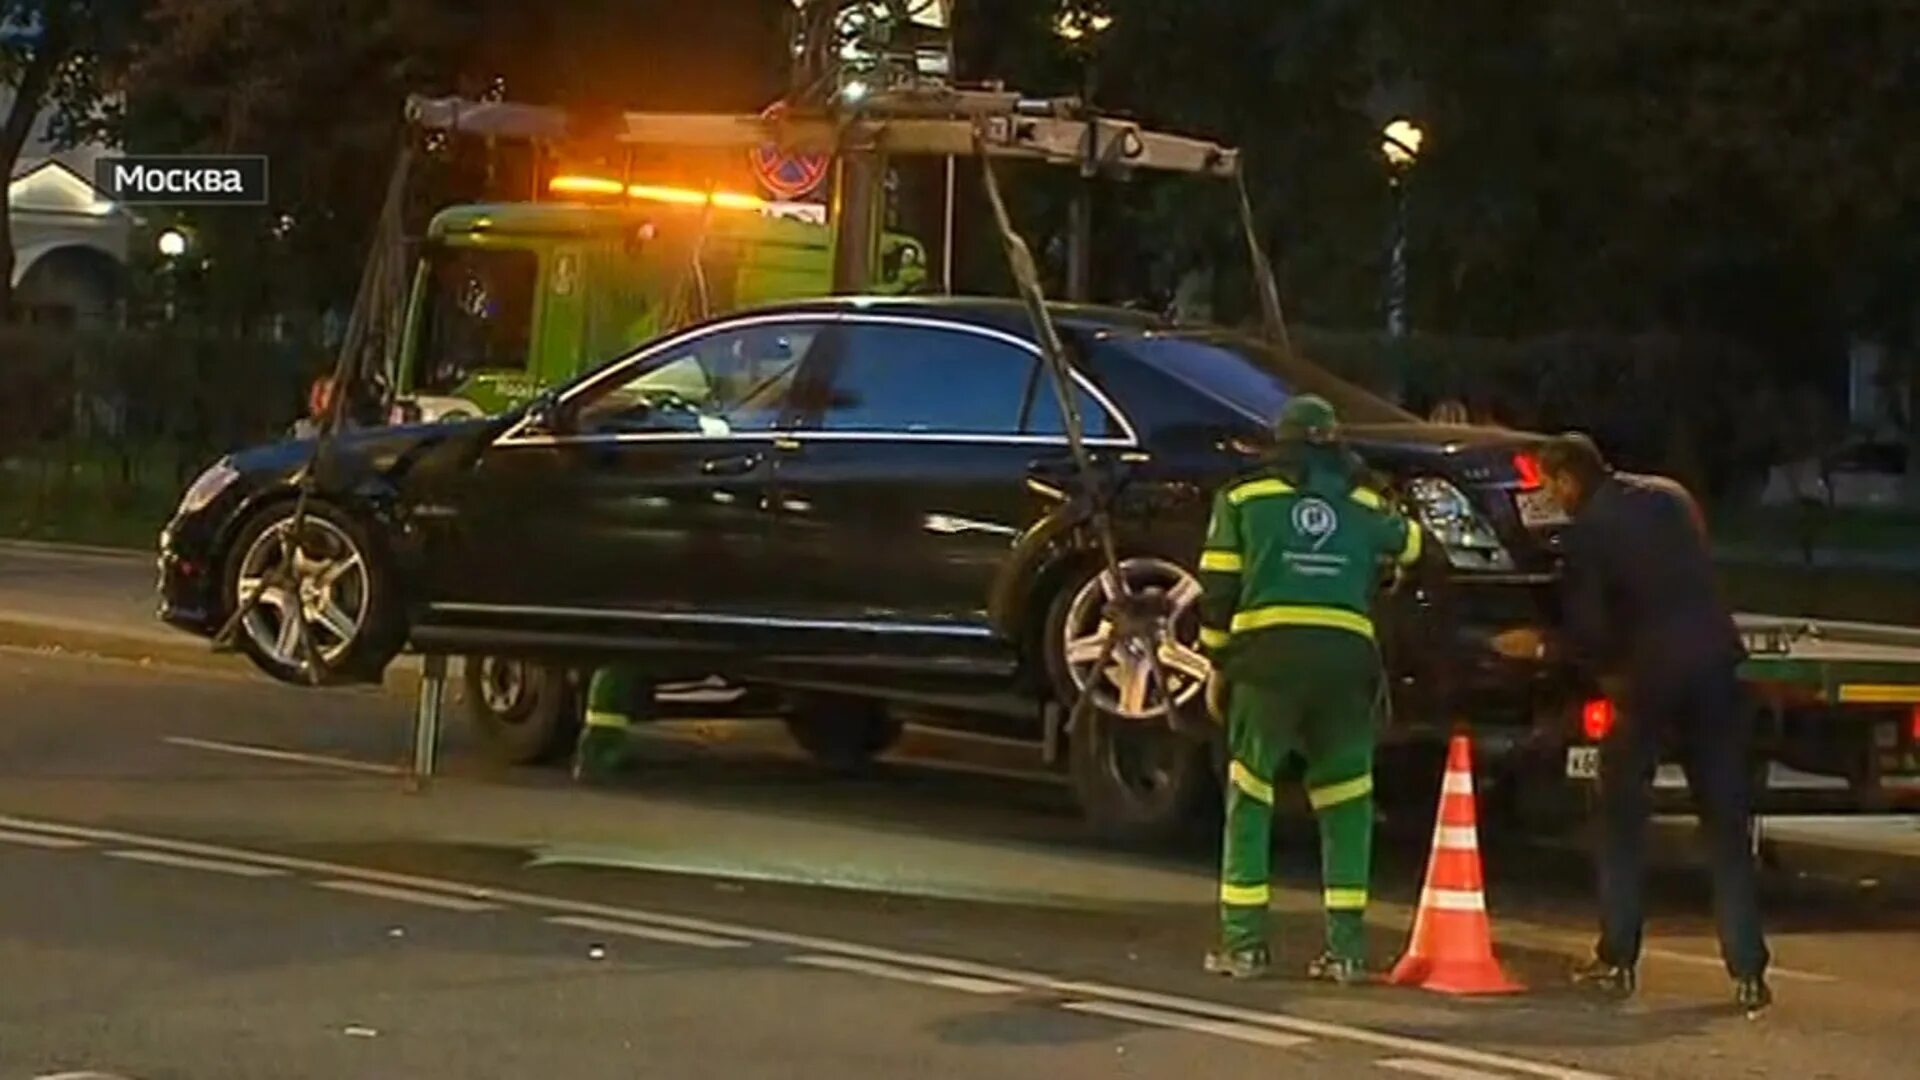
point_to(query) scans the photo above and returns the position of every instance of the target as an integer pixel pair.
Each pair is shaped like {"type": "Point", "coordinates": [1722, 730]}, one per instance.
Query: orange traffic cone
{"type": "Point", "coordinates": [1452, 946]}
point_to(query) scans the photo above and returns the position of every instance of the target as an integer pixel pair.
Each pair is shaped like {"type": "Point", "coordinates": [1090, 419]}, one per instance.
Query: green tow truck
{"type": "Point", "coordinates": [508, 299]}
{"type": "Point", "coordinates": [1838, 724]}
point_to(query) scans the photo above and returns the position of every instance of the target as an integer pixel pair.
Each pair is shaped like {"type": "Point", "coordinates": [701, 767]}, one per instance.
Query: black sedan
{"type": "Point", "coordinates": [854, 507]}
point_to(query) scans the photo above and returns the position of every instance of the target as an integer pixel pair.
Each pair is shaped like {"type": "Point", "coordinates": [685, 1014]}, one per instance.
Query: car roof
{"type": "Point", "coordinates": [999, 313]}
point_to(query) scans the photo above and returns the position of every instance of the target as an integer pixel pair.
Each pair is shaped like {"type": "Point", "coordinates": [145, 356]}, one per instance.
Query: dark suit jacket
{"type": "Point", "coordinates": [1640, 602]}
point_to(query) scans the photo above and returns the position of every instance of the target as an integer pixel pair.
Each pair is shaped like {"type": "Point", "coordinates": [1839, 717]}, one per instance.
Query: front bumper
{"type": "Point", "coordinates": [188, 579]}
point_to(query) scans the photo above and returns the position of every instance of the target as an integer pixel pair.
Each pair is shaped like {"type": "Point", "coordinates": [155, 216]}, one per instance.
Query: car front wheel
{"type": "Point", "coordinates": [320, 606]}
{"type": "Point", "coordinates": [1138, 780]}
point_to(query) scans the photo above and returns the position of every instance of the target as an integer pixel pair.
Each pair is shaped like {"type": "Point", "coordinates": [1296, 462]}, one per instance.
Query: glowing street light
{"type": "Point", "coordinates": [172, 243]}
{"type": "Point", "coordinates": [1074, 24]}
{"type": "Point", "coordinates": [1400, 141]}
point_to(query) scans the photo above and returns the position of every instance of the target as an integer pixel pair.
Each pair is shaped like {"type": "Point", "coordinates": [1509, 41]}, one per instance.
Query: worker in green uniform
{"type": "Point", "coordinates": [1291, 561]}
{"type": "Point", "coordinates": [617, 695]}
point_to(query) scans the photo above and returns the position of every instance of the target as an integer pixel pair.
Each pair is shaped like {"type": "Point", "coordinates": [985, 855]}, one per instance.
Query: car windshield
{"type": "Point", "coordinates": [1255, 380]}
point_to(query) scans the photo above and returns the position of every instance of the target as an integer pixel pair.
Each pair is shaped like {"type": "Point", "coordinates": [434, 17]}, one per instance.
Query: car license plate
{"type": "Point", "coordinates": [1538, 510]}
{"type": "Point", "coordinates": [1583, 762]}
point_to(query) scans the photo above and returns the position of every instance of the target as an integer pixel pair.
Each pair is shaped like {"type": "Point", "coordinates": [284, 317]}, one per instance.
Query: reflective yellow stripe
{"type": "Point", "coordinates": [1214, 639]}
{"type": "Point", "coordinates": [1410, 554]}
{"type": "Point", "coordinates": [1346, 899]}
{"type": "Point", "coordinates": [1226, 562]}
{"type": "Point", "coordinates": [1286, 615]}
{"type": "Point", "coordinates": [1245, 895]}
{"type": "Point", "coordinates": [1369, 499]}
{"type": "Point", "coordinates": [1256, 489]}
{"type": "Point", "coordinates": [1255, 787]}
{"type": "Point", "coordinates": [1335, 794]}
{"type": "Point", "coordinates": [602, 718]}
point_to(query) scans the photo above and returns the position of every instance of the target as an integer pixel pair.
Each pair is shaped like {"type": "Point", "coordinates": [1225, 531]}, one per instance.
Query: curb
{"type": "Point", "coordinates": [94, 551]}
{"type": "Point", "coordinates": [168, 649]}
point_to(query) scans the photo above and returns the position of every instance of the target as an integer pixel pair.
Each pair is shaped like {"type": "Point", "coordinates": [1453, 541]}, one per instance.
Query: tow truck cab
{"type": "Point", "coordinates": [508, 299]}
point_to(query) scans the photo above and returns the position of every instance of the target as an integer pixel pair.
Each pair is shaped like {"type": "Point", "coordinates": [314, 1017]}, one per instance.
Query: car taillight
{"type": "Point", "coordinates": [1913, 725]}
{"type": "Point", "coordinates": [1528, 466]}
{"type": "Point", "coordinates": [1596, 719]}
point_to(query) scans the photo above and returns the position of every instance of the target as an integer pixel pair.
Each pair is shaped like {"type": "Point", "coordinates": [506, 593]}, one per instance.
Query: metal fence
{"type": "Point", "coordinates": [99, 432]}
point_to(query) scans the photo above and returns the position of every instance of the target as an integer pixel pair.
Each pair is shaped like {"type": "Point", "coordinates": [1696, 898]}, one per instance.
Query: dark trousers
{"type": "Point", "coordinates": [1704, 713]}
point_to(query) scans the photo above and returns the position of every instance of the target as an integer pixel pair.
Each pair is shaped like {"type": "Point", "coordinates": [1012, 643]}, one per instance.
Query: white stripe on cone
{"type": "Point", "coordinates": [1458, 783]}
{"type": "Point", "coordinates": [1456, 838]}
{"type": "Point", "coordinates": [1453, 899]}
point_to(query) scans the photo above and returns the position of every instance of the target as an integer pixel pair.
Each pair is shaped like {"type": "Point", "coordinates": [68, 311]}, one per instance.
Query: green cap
{"type": "Point", "coordinates": [1307, 418]}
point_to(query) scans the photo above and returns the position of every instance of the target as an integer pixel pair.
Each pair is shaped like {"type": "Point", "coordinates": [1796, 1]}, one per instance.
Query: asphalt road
{"type": "Point", "coordinates": [204, 875]}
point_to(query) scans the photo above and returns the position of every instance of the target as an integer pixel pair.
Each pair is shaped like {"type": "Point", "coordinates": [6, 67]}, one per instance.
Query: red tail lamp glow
{"type": "Point", "coordinates": [1596, 719]}
{"type": "Point", "coordinates": [1528, 466]}
{"type": "Point", "coordinates": [1913, 724]}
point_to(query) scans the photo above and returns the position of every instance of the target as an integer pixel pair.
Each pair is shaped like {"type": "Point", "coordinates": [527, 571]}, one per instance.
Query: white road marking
{"type": "Point", "coordinates": [1136, 1014]}
{"type": "Point", "coordinates": [1437, 1070]}
{"type": "Point", "coordinates": [295, 757]}
{"type": "Point", "coordinates": [189, 862]}
{"type": "Point", "coordinates": [651, 933]}
{"type": "Point", "coordinates": [408, 896]}
{"type": "Point", "coordinates": [1403, 1044]}
{"type": "Point", "coordinates": [1716, 962]}
{"type": "Point", "coordinates": [56, 843]}
{"type": "Point", "coordinates": [964, 983]}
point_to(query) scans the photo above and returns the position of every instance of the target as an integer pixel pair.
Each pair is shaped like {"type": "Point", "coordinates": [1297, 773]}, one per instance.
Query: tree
{"type": "Point", "coordinates": [318, 86]}
{"type": "Point", "coordinates": [52, 54]}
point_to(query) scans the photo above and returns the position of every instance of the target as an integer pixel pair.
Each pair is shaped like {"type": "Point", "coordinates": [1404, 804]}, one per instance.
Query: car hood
{"type": "Point", "coordinates": [378, 450]}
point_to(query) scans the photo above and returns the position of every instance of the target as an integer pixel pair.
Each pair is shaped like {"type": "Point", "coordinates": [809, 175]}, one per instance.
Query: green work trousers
{"type": "Point", "coordinates": [1317, 703]}
{"type": "Point", "coordinates": [618, 695]}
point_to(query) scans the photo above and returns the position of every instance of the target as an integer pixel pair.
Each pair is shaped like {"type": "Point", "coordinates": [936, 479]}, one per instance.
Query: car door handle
{"type": "Point", "coordinates": [1052, 468]}
{"type": "Point", "coordinates": [730, 465]}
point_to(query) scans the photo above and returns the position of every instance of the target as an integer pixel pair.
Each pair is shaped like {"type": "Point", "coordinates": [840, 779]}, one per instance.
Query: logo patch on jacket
{"type": "Point", "coordinates": [1315, 520]}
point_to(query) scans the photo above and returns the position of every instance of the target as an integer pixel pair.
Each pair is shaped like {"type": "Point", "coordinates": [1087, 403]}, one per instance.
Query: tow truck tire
{"type": "Point", "coordinates": [523, 713]}
{"type": "Point", "coordinates": [1139, 783]}
{"type": "Point", "coordinates": [844, 734]}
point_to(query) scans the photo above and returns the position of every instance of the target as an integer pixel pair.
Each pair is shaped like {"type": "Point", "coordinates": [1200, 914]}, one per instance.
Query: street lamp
{"type": "Point", "coordinates": [1075, 24]}
{"type": "Point", "coordinates": [172, 244]}
{"type": "Point", "coordinates": [1079, 25]}
{"type": "Point", "coordinates": [1400, 143]}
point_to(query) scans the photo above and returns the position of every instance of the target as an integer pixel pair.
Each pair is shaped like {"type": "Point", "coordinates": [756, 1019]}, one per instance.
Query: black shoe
{"type": "Point", "coordinates": [1609, 980]}
{"type": "Point", "coordinates": [1249, 963]}
{"type": "Point", "coordinates": [1753, 995]}
{"type": "Point", "coordinates": [1340, 970]}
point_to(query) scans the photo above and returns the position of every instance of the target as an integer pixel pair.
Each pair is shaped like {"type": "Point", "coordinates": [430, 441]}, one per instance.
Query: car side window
{"type": "Point", "coordinates": [925, 380]}
{"type": "Point", "coordinates": [726, 382]}
{"type": "Point", "coordinates": [1043, 409]}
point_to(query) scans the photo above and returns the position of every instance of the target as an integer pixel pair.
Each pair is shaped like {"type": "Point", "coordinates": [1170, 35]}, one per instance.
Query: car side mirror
{"type": "Point", "coordinates": [546, 415]}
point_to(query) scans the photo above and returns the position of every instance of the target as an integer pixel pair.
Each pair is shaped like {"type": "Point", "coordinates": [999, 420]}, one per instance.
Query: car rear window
{"type": "Point", "coordinates": [1254, 380]}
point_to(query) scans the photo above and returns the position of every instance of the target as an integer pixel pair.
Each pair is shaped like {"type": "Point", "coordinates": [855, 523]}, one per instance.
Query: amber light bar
{"type": "Point", "coordinates": [600, 185]}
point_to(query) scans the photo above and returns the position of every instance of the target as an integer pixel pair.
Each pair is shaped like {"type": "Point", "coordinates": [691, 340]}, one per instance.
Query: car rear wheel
{"type": "Point", "coordinates": [524, 713]}
{"type": "Point", "coordinates": [320, 607]}
{"type": "Point", "coordinates": [1138, 780]}
{"type": "Point", "coordinates": [844, 734]}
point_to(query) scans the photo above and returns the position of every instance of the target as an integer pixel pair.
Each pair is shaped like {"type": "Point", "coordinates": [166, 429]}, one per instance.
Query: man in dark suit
{"type": "Point", "coordinates": [1643, 617]}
